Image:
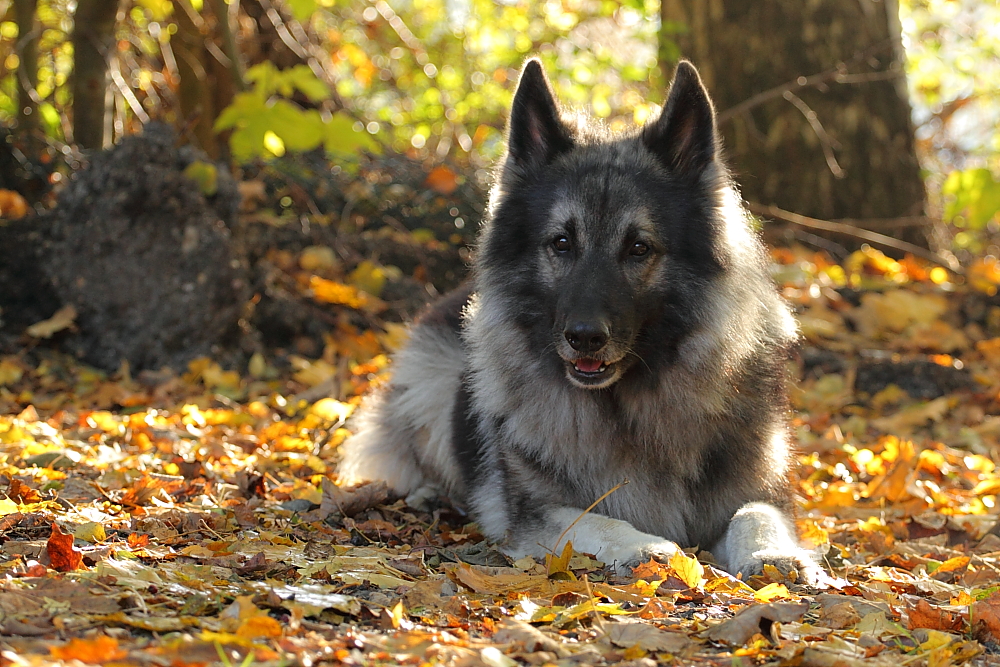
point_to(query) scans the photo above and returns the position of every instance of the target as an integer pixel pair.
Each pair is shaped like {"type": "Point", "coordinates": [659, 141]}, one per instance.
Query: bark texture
{"type": "Point", "coordinates": [779, 155]}
{"type": "Point", "coordinates": [93, 45]}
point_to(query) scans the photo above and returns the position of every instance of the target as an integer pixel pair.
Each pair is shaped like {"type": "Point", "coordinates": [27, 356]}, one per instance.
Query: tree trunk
{"type": "Point", "coordinates": [93, 45]}
{"type": "Point", "coordinates": [195, 92]}
{"type": "Point", "coordinates": [839, 146]}
{"type": "Point", "coordinates": [28, 122]}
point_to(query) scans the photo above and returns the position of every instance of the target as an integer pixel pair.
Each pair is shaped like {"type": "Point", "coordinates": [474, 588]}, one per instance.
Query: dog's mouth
{"type": "Point", "coordinates": [592, 373]}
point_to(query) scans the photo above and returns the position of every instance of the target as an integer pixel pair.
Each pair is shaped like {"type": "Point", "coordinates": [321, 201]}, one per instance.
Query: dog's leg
{"type": "Point", "coordinates": [761, 534]}
{"type": "Point", "coordinates": [616, 543]}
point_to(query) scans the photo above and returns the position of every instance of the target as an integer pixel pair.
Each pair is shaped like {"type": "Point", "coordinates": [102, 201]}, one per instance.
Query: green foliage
{"type": "Point", "coordinates": [437, 76]}
{"type": "Point", "coordinates": [265, 123]}
{"type": "Point", "coordinates": [205, 174]}
{"type": "Point", "coordinates": [973, 198]}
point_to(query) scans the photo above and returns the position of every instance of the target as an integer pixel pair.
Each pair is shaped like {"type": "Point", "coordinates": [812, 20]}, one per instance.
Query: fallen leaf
{"type": "Point", "coordinates": [63, 556]}
{"type": "Point", "coordinates": [756, 618]}
{"type": "Point", "coordinates": [98, 651]}
{"type": "Point", "coordinates": [647, 637]}
{"type": "Point", "coordinates": [62, 319]}
{"type": "Point", "coordinates": [22, 493]}
{"type": "Point", "coordinates": [925, 615]}
{"type": "Point", "coordinates": [12, 205]}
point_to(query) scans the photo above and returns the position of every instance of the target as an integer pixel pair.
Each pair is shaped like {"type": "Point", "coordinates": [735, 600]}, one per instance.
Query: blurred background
{"type": "Point", "coordinates": [883, 114]}
{"type": "Point", "coordinates": [287, 179]}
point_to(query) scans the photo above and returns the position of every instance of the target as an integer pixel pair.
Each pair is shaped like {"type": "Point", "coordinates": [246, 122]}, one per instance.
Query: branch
{"type": "Point", "coordinates": [827, 142]}
{"type": "Point", "coordinates": [840, 228]}
{"type": "Point", "coordinates": [836, 74]}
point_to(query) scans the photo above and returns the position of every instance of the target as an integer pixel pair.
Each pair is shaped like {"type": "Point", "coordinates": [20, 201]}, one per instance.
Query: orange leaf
{"type": "Point", "coordinates": [985, 615]}
{"type": "Point", "coordinates": [136, 540]}
{"type": "Point", "coordinates": [98, 651]}
{"type": "Point", "coordinates": [12, 205]}
{"type": "Point", "coordinates": [442, 180]}
{"type": "Point", "coordinates": [20, 492]}
{"type": "Point", "coordinates": [926, 615]}
{"type": "Point", "coordinates": [258, 627]}
{"type": "Point", "coordinates": [62, 556]}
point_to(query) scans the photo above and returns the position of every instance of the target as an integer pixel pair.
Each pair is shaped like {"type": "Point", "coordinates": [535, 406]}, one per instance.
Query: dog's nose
{"type": "Point", "coordinates": [587, 336]}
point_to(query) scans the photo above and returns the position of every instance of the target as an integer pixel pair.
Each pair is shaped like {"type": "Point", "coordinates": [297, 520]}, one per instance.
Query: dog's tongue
{"type": "Point", "coordinates": [587, 365]}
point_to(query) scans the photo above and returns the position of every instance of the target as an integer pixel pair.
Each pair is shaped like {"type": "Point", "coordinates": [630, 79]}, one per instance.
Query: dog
{"type": "Point", "coordinates": [619, 325]}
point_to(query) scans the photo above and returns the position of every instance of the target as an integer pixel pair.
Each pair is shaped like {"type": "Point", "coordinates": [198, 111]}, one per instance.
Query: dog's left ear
{"type": "Point", "coordinates": [683, 137]}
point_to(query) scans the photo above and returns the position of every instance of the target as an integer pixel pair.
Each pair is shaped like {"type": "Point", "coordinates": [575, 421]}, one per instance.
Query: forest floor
{"type": "Point", "coordinates": [192, 518]}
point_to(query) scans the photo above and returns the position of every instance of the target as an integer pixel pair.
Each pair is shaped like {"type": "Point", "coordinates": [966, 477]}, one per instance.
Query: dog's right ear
{"type": "Point", "coordinates": [536, 133]}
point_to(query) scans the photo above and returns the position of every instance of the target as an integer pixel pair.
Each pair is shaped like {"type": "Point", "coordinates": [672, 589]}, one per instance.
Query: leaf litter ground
{"type": "Point", "coordinates": [195, 519]}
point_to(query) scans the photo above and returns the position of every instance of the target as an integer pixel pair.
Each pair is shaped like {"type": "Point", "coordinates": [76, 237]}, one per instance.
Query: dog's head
{"type": "Point", "coordinates": [603, 244]}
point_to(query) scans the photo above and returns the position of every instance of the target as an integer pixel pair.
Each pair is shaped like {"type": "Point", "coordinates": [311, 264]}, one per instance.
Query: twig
{"type": "Point", "coordinates": [836, 74]}
{"type": "Point", "coordinates": [236, 69]}
{"type": "Point", "coordinates": [850, 230]}
{"type": "Point", "coordinates": [593, 606]}
{"type": "Point", "coordinates": [825, 140]}
{"type": "Point", "coordinates": [587, 511]}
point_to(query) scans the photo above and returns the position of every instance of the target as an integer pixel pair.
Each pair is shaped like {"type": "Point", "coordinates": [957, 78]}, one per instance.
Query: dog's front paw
{"type": "Point", "coordinates": [625, 558]}
{"type": "Point", "coordinates": [799, 561]}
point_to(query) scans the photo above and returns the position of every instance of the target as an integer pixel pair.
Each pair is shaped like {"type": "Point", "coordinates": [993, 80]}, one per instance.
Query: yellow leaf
{"type": "Point", "coordinates": [7, 506]}
{"type": "Point", "coordinates": [555, 564]}
{"type": "Point", "coordinates": [634, 653]}
{"type": "Point", "coordinates": [331, 410]}
{"type": "Point", "coordinates": [772, 592]}
{"type": "Point", "coordinates": [330, 291]}
{"type": "Point", "coordinates": [317, 257]}
{"type": "Point", "coordinates": [10, 371]}
{"type": "Point", "coordinates": [396, 614]}
{"type": "Point", "coordinates": [90, 532]}
{"type": "Point", "coordinates": [369, 277]}
{"type": "Point", "coordinates": [688, 569]}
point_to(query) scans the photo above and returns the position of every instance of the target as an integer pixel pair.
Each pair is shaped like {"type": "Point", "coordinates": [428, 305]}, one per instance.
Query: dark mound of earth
{"type": "Point", "coordinates": [146, 258]}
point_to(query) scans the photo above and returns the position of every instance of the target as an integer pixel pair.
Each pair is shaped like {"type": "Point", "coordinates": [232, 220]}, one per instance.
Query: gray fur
{"type": "Point", "coordinates": [489, 408]}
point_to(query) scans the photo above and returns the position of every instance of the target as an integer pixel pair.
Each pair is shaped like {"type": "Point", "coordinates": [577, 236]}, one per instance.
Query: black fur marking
{"type": "Point", "coordinates": [466, 439]}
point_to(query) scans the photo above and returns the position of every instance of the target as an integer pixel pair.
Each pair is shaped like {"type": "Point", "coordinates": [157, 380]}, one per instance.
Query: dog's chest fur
{"type": "Point", "coordinates": [690, 449]}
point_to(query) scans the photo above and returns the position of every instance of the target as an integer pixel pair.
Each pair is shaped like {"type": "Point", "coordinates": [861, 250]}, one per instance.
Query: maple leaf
{"type": "Point", "coordinates": [63, 556]}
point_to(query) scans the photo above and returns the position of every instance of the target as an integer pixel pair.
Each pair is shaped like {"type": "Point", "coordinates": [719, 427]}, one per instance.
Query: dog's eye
{"type": "Point", "coordinates": [561, 243]}
{"type": "Point", "coordinates": [638, 249]}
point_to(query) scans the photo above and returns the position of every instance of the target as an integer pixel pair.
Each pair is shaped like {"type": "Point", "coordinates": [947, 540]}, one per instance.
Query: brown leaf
{"type": "Point", "coordinates": [986, 616]}
{"type": "Point", "coordinates": [63, 557]}
{"type": "Point", "coordinates": [647, 637]}
{"type": "Point", "coordinates": [350, 501]}
{"type": "Point", "coordinates": [925, 615]}
{"type": "Point", "coordinates": [527, 638]}
{"type": "Point", "coordinates": [20, 492]}
{"type": "Point", "coordinates": [62, 319]}
{"type": "Point", "coordinates": [840, 616]}
{"type": "Point", "coordinates": [756, 618]}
